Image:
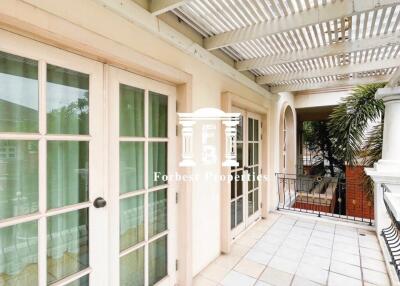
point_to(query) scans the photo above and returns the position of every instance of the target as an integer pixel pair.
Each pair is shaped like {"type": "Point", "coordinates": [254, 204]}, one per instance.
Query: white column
{"type": "Point", "coordinates": [387, 170]}
{"type": "Point", "coordinates": [230, 142]}
{"type": "Point", "coordinates": [187, 143]}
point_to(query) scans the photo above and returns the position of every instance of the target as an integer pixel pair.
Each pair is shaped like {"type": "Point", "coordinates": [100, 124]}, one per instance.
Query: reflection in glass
{"type": "Point", "coordinates": [251, 154]}
{"type": "Point", "coordinates": [131, 226]}
{"type": "Point", "coordinates": [132, 268]}
{"type": "Point", "coordinates": [19, 254]}
{"type": "Point", "coordinates": [256, 130]}
{"type": "Point", "coordinates": [67, 244]}
{"type": "Point", "coordinates": [255, 200]}
{"type": "Point", "coordinates": [67, 173]}
{"type": "Point", "coordinates": [250, 204]}
{"type": "Point", "coordinates": [131, 166]}
{"type": "Point", "coordinates": [233, 215]}
{"type": "Point", "coordinates": [157, 212]}
{"type": "Point", "coordinates": [67, 101]}
{"type": "Point", "coordinates": [158, 115]}
{"type": "Point", "coordinates": [83, 281]}
{"type": "Point", "coordinates": [19, 94]}
{"type": "Point", "coordinates": [18, 178]}
{"type": "Point", "coordinates": [239, 191]}
{"type": "Point", "coordinates": [158, 253]}
{"type": "Point", "coordinates": [239, 151]}
{"type": "Point", "coordinates": [240, 129]}
{"type": "Point", "coordinates": [250, 131]}
{"type": "Point", "coordinates": [239, 211]}
{"type": "Point", "coordinates": [131, 111]}
{"type": "Point", "coordinates": [233, 183]}
{"type": "Point", "coordinates": [256, 153]}
{"type": "Point", "coordinates": [157, 163]}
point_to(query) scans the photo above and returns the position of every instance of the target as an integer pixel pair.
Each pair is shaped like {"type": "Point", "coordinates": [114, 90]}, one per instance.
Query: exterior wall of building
{"type": "Point", "coordinates": [306, 100]}
{"type": "Point", "coordinates": [87, 28]}
{"type": "Point", "coordinates": [357, 202]}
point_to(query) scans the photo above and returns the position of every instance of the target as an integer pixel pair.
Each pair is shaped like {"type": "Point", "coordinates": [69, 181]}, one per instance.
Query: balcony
{"type": "Point", "coordinates": [288, 249]}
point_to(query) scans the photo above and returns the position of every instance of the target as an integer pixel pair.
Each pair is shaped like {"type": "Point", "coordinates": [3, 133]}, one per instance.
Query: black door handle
{"type": "Point", "coordinates": [99, 203]}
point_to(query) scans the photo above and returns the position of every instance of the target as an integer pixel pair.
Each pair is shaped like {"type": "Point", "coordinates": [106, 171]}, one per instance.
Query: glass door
{"type": "Point", "coordinates": [49, 145]}
{"type": "Point", "coordinates": [245, 190]}
{"type": "Point", "coordinates": [142, 116]}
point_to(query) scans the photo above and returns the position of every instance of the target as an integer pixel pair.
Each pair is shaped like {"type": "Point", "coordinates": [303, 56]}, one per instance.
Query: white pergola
{"type": "Point", "coordinates": [293, 45]}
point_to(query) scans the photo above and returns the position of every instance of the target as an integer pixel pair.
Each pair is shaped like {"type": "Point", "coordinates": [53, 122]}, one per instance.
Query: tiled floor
{"type": "Point", "coordinates": [289, 250]}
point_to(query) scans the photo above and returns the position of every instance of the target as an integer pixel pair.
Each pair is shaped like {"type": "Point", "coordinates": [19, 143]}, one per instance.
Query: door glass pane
{"type": "Point", "coordinates": [239, 151]}
{"type": "Point", "coordinates": [131, 221]}
{"type": "Point", "coordinates": [251, 179]}
{"type": "Point", "coordinates": [256, 153]}
{"type": "Point", "coordinates": [67, 173]}
{"type": "Point", "coordinates": [83, 281]}
{"type": "Point", "coordinates": [255, 200]}
{"type": "Point", "coordinates": [67, 244]}
{"type": "Point", "coordinates": [157, 163]}
{"type": "Point", "coordinates": [132, 268]}
{"type": "Point", "coordinates": [239, 211]}
{"type": "Point", "coordinates": [131, 166]}
{"type": "Point", "coordinates": [250, 204]}
{"type": "Point", "coordinates": [251, 154]}
{"type": "Point", "coordinates": [239, 129]}
{"type": "Point", "coordinates": [233, 183]}
{"type": "Point", "coordinates": [232, 215]}
{"type": "Point", "coordinates": [18, 178]}
{"type": "Point", "coordinates": [240, 184]}
{"type": "Point", "coordinates": [158, 250]}
{"type": "Point", "coordinates": [67, 101]}
{"type": "Point", "coordinates": [255, 177]}
{"type": "Point", "coordinates": [256, 130]}
{"type": "Point", "coordinates": [157, 212]}
{"type": "Point", "coordinates": [19, 94]}
{"type": "Point", "coordinates": [158, 115]}
{"type": "Point", "coordinates": [250, 129]}
{"type": "Point", "coordinates": [18, 255]}
{"type": "Point", "coordinates": [131, 111]}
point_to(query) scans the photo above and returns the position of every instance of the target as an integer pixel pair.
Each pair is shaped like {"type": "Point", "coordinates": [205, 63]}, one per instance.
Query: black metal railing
{"type": "Point", "coordinates": [324, 196]}
{"type": "Point", "coordinates": [391, 234]}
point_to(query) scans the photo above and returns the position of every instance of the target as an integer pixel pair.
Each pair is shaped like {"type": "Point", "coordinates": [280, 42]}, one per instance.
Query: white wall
{"type": "Point", "coordinates": [285, 99]}
{"type": "Point", "coordinates": [319, 99]}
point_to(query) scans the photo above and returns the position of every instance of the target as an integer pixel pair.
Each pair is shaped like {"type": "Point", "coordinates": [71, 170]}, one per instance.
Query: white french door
{"type": "Point", "coordinates": [51, 170]}
{"type": "Point", "coordinates": [246, 192]}
{"type": "Point", "coordinates": [79, 203]}
{"type": "Point", "coordinates": [142, 132]}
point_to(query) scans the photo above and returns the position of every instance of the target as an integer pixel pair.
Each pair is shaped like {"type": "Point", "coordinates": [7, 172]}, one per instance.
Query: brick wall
{"type": "Point", "coordinates": [313, 207]}
{"type": "Point", "coordinates": [357, 202]}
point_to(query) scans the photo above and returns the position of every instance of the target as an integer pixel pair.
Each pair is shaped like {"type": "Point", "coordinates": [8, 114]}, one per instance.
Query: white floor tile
{"type": "Point", "coordinates": [376, 277]}
{"type": "Point", "coordinates": [342, 246]}
{"type": "Point", "coordinates": [276, 277]}
{"type": "Point", "coordinates": [289, 253]}
{"type": "Point", "coordinates": [260, 283]}
{"type": "Point", "coordinates": [318, 250]}
{"type": "Point", "coordinates": [312, 273]}
{"type": "Point", "coordinates": [300, 281]}
{"type": "Point", "coordinates": [373, 264]}
{"type": "Point", "coordinates": [340, 280]}
{"type": "Point", "coordinates": [346, 257]}
{"type": "Point", "coordinates": [250, 268]}
{"type": "Point", "coordinates": [202, 281]}
{"type": "Point", "coordinates": [215, 272]}
{"type": "Point", "coordinates": [346, 269]}
{"type": "Point", "coordinates": [259, 256]}
{"type": "Point", "coordinates": [267, 247]}
{"type": "Point", "coordinates": [316, 261]}
{"type": "Point", "coordinates": [371, 253]}
{"type": "Point", "coordinates": [284, 264]}
{"type": "Point", "coordinates": [321, 242]}
{"type": "Point", "coordinates": [238, 279]}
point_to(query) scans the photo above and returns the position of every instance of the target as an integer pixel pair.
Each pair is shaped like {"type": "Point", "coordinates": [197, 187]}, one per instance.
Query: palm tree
{"type": "Point", "coordinates": [357, 128]}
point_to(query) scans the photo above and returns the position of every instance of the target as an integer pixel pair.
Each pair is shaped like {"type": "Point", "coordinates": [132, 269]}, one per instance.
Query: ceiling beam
{"type": "Point", "coordinates": [158, 7]}
{"type": "Point", "coordinates": [335, 10]}
{"type": "Point", "coordinates": [330, 84]}
{"type": "Point", "coordinates": [337, 70]}
{"type": "Point", "coordinates": [329, 50]}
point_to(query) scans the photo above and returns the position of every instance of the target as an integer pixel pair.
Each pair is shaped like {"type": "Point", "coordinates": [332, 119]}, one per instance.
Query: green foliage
{"type": "Point", "coordinates": [349, 122]}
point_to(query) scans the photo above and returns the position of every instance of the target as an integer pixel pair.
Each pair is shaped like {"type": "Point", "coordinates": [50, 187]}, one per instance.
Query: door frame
{"type": "Point", "coordinates": [115, 77]}
{"type": "Point", "coordinates": [247, 221]}
{"type": "Point", "coordinates": [46, 54]}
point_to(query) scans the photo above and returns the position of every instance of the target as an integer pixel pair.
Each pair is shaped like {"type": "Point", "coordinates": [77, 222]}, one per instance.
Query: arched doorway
{"type": "Point", "coordinates": [287, 142]}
